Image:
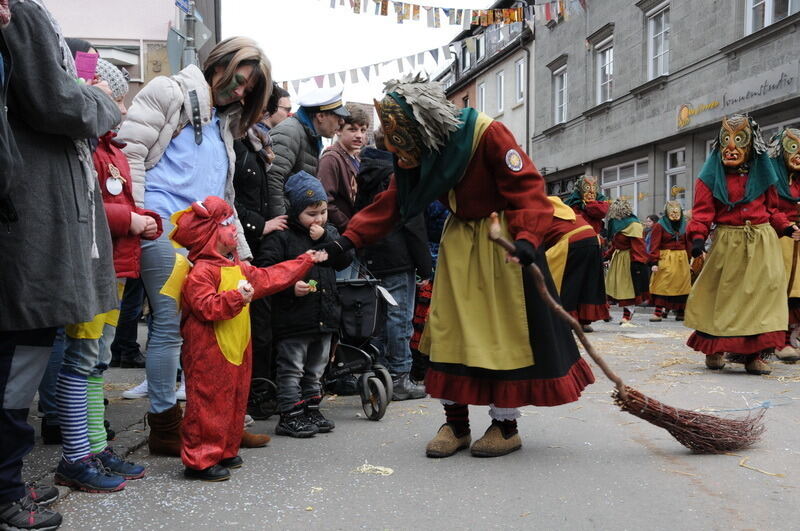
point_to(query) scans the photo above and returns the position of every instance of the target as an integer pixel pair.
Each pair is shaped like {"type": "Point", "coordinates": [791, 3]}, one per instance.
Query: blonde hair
{"type": "Point", "coordinates": [231, 54]}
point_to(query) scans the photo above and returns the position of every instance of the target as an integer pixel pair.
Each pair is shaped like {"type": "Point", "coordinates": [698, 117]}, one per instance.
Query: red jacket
{"type": "Point", "coordinates": [663, 240]}
{"type": "Point", "coordinates": [593, 212]}
{"type": "Point", "coordinates": [110, 162]}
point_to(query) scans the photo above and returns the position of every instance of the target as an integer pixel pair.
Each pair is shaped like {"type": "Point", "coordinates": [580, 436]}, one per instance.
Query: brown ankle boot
{"type": "Point", "coordinates": [165, 431]}
{"type": "Point", "coordinates": [716, 361]}
{"type": "Point", "coordinates": [254, 440]}
{"type": "Point", "coordinates": [756, 364]}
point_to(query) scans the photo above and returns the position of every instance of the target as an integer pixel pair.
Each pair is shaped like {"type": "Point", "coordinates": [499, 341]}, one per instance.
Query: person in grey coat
{"type": "Point", "coordinates": [57, 258]}
{"type": "Point", "coordinates": [297, 141]}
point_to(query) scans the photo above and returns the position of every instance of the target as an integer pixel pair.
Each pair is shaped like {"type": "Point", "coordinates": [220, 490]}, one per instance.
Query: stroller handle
{"type": "Point", "coordinates": [358, 282]}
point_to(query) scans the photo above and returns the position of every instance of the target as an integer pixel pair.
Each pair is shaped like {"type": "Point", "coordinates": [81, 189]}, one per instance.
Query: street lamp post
{"type": "Point", "coordinates": [190, 52]}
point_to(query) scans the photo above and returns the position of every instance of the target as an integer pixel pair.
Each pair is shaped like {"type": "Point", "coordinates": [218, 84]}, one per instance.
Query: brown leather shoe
{"type": "Point", "coordinates": [788, 354]}
{"type": "Point", "coordinates": [756, 365]}
{"type": "Point", "coordinates": [716, 361]}
{"type": "Point", "coordinates": [446, 443]}
{"type": "Point", "coordinates": [493, 444]}
{"type": "Point", "coordinates": [254, 440]}
{"type": "Point", "coordinates": [165, 431]}
{"type": "Point", "coordinates": [656, 319]}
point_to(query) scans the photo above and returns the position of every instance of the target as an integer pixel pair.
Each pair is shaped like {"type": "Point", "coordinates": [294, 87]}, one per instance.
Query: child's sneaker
{"type": "Point", "coordinates": [295, 423]}
{"type": "Point", "coordinates": [89, 475]}
{"type": "Point", "coordinates": [140, 391]}
{"type": "Point", "coordinates": [116, 465]}
{"type": "Point", "coordinates": [316, 417]}
{"type": "Point", "coordinates": [25, 514]}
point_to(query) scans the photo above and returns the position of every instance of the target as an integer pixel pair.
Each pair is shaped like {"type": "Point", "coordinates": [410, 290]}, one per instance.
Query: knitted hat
{"type": "Point", "coordinates": [114, 77]}
{"type": "Point", "coordinates": [303, 189]}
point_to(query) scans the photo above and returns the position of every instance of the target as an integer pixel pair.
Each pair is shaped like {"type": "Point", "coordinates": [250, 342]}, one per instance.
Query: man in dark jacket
{"type": "Point", "coordinates": [57, 260]}
{"type": "Point", "coordinates": [297, 141]}
{"type": "Point", "coordinates": [394, 260]}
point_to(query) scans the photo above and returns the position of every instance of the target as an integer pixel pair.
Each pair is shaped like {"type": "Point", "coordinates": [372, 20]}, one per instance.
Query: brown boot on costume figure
{"type": "Point", "coordinates": [757, 365]}
{"type": "Point", "coordinates": [254, 440]}
{"type": "Point", "coordinates": [494, 444]}
{"type": "Point", "coordinates": [165, 431]}
{"type": "Point", "coordinates": [788, 354]}
{"type": "Point", "coordinates": [716, 361]}
{"type": "Point", "coordinates": [446, 443]}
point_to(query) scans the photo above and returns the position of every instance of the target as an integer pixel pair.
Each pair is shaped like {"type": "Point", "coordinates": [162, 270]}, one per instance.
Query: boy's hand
{"type": "Point", "coordinates": [301, 289]}
{"type": "Point", "coordinates": [247, 291]}
{"type": "Point", "coordinates": [276, 223]}
{"type": "Point", "coordinates": [317, 256]}
{"type": "Point", "coordinates": [316, 232]}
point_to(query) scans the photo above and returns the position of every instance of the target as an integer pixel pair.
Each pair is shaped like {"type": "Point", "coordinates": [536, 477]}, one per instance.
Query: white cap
{"type": "Point", "coordinates": [324, 100]}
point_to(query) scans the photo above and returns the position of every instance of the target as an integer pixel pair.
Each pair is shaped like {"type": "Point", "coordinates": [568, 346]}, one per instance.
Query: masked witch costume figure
{"type": "Point", "coordinates": [627, 279]}
{"type": "Point", "coordinates": [576, 264]}
{"type": "Point", "coordinates": [491, 339]}
{"type": "Point", "coordinates": [671, 279]}
{"type": "Point", "coordinates": [587, 201]}
{"type": "Point", "coordinates": [785, 156]}
{"type": "Point", "coordinates": [215, 325]}
{"type": "Point", "coordinates": [738, 303]}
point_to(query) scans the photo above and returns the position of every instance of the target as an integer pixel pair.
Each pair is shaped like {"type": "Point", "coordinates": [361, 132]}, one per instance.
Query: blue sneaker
{"type": "Point", "coordinates": [89, 475]}
{"type": "Point", "coordinates": [116, 465]}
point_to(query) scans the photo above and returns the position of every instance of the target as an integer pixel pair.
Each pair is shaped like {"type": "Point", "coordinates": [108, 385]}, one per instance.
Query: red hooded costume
{"type": "Point", "coordinates": [215, 326]}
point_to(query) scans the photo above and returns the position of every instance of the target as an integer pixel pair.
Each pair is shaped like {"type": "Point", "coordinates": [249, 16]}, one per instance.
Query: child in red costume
{"type": "Point", "coordinates": [215, 326]}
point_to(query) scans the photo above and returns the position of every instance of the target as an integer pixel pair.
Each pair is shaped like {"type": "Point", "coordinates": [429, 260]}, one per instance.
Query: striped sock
{"type": "Point", "coordinates": [458, 416]}
{"type": "Point", "coordinates": [72, 403]}
{"type": "Point", "coordinates": [97, 431]}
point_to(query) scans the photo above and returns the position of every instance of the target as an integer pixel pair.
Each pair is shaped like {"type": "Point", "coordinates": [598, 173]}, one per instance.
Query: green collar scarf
{"type": "Point", "coordinates": [760, 177]}
{"type": "Point", "coordinates": [438, 172]}
{"type": "Point", "coordinates": [575, 198]}
{"type": "Point", "coordinates": [783, 180]}
{"type": "Point", "coordinates": [668, 226]}
{"type": "Point", "coordinates": [616, 225]}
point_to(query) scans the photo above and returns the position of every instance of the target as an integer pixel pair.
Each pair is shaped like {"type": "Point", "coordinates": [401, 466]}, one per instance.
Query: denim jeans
{"type": "Point", "coordinates": [349, 272]}
{"type": "Point", "coordinates": [89, 356]}
{"type": "Point", "coordinates": [164, 345]}
{"type": "Point", "coordinates": [301, 363]}
{"type": "Point", "coordinates": [397, 331]}
{"type": "Point", "coordinates": [47, 387]}
{"type": "Point", "coordinates": [125, 345]}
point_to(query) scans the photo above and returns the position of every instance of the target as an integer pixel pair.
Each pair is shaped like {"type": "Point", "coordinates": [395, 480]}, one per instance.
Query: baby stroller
{"type": "Point", "coordinates": [362, 304]}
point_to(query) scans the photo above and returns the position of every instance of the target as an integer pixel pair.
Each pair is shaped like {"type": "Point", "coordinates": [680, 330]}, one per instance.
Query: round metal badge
{"type": "Point", "coordinates": [114, 186]}
{"type": "Point", "coordinates": [513, 160]}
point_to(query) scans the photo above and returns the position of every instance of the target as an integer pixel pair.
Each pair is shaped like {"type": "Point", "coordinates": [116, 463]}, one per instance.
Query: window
{"type": "Point", "coordinates": [628, 181]}
{"type": "Point", "coordinates": [560, 95]}
{"type": "Point", "coordinates": [658, 42]}
{"type": "Point", "coordinates": [519, 81]}
{"type": "Point", "coordinates": [466, 59]}
{"type": "Point", "coordinates": [677, 178]}
{"type": "Point", "coordinates": [761, 13]}
{"type": "Point", "coordinates": [605, 70]}
{"type": "Point", "coordinates": [500, 78]}
{"type": "Point", "coordinates": [465, 101]}
{"type": "Point", "coordinates": [480, 47]}
{"type": "Point", "coordinates": [482, 97]}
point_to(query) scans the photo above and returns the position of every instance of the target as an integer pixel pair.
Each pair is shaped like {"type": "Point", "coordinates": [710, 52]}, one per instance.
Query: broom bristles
{"type": "Point", "coordinates": [700, 432]}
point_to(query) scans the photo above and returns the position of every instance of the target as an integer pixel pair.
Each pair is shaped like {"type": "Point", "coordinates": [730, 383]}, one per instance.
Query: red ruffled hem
{"type": "Point", "coordinates": [675, 302]}
{"type": "Point", "coordinates": [640, 299]}
{"type": "Point", "coordinates": [737, 345]}
{"type": "Point", "coordinates": [510, 393]}
{"type": "Point", "coordinates": [589, 313]}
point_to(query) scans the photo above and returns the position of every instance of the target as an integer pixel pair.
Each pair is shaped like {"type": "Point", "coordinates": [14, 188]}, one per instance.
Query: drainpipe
{"type": "Point", "coordinates": [527, 90]}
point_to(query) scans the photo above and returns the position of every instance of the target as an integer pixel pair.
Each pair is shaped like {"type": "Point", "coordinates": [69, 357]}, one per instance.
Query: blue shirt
{"type": "Point", "coordinates": [187, 172]}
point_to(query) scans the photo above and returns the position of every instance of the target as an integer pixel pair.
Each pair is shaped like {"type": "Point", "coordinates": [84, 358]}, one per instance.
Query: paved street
{"type": "Point", "coordinates": [582, 466]}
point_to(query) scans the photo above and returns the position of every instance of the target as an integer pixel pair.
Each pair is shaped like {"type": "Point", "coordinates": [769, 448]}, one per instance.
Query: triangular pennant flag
{"type": "Point", "coordinates": [333, 4]}
{"type": "Point", "coordinates": [398, 9]}
{"type": "Point", "coordinates": [365, 71]}
{"type": "Point", "coordinates": [466, 19]}
{"type": "Point", "coordinates": [459, 16]}
{"type": "Point", "coordinates": [421, 59]}
{"type": "Point", "coordinates": [296, 85]}
{"type": "Point", "coordinates": [475, 19]}
{"type": "Point", "coordinates": [415, 12]}
{"type": "Point", "coordinates": [343, 76]}
{"type": "Point", "coordinates": [400, 66]}
{"type": "Point", "coordinates": [451, 15]}
{"type": "Point", "coordinates": [331, 80]}
{"type": "Point", "coordinates": [430, 16]}
{"type": "Point", "coordinates": [384, 8]}
{"type": "Point", "coordinates": [437, 21]}
{"type": "Point", "coordinates": [548, 15]}
{"type": "Point", "coordinates": [378, 7]}
{"type": "Point", "coordinates": [319, 80]}
{"type": "Point", "coordinates": [406, 11]}
{"type": "Point", "coordinates": [357, 6]}
{"type": "Point", "coordinates": [377, 70]}
{"type": "Point", "coordinates": [353, 75]}
{"type": "Point", "coordinates": [435, 54]}
{"type": "Point", "coordinates": [410, 60]}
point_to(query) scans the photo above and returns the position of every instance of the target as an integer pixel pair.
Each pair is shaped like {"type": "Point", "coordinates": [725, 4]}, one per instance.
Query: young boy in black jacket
{"type": "Point", "coordinates": [304, 317]}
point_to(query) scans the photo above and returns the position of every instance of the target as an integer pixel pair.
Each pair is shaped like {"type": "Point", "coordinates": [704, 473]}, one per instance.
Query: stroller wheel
{"type": "Point", "coordinates": [386, 378]}
{"type": "Point", "coordinates": [263, 400]}
{"type": "Point", "coordinates": [373, 398]}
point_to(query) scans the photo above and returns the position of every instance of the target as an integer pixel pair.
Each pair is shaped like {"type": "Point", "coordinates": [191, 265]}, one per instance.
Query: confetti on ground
{"type": "Point", "coordinates": [309, 508]}
{"type": "Point", "coordinates": [367, 468]}
{"type": "Point", "coordinates": [743, 464]}
{"type": "Point", "coordinates": [332, 398]}
{"type": "Point", "coordinates": [316, 489]}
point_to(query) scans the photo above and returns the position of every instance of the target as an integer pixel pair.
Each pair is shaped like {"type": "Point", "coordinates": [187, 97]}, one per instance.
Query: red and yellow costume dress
{"type": "Point", "coordinates": [627, 279]}
{"type": "Point", "coordinates": [576, 264]}
{"type": "Point", "coordinates": [735, 304]}
{"type": "Point", "coordinates": [215, 326]}
{"type": "Point", "coordinates": [790, 209]}
{"type": "Point", "coordinates": [490, 338]}
{"type": "Point", "coordinates": [670, 285]}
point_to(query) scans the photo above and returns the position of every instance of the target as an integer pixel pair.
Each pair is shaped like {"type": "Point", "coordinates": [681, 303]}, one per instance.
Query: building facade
{"type": "Point", "coordinates": [634, 92]}
{"type": "Point", "coordinates": [492, 74]}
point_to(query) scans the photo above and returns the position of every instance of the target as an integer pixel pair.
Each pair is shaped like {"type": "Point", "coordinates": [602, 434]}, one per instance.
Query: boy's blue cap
{"type": "Point", "coordinates": [304, 189]}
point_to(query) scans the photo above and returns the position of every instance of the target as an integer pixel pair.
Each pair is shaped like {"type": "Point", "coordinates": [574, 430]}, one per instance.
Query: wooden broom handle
{"type": "Point", "coordinates": [495, 234]}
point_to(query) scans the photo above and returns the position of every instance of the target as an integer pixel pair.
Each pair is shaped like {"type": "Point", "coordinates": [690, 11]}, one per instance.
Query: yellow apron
{"type": "Point", "coordinates": [477, 316]}
{"type": "Point", "coordinates": [742, 288]}
{"type": "Point", "coordinates": [673, 276]}
{"type": "Point", "coordinates": [787, 248]}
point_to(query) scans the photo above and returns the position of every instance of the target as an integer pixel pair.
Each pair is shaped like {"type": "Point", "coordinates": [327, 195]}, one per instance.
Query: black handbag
{"type": "Point", "coordinates": [361, 307]}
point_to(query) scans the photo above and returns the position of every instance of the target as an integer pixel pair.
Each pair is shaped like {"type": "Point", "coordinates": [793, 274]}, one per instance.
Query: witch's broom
{"type": "Point", "coordinates": [697, 431]}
